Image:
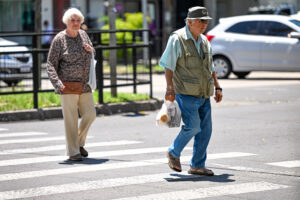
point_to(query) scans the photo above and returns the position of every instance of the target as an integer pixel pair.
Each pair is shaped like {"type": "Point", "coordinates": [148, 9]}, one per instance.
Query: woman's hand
{"type": "Point", "coordinates": [87, 47]}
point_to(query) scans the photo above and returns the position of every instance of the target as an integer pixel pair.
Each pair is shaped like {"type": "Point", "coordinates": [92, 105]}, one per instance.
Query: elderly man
{"type": "Point", "coordinates": [191, 78]}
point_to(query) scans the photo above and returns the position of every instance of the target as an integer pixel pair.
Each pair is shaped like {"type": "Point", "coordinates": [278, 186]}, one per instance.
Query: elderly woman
{"type": "Point", "coordinates": [68, 68]}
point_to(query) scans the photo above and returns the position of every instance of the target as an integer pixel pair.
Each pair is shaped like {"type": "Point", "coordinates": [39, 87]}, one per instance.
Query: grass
{"type": "Point", "coordinates": [139, 69]}
{"type": "Point", "coordinates": [49, 99]}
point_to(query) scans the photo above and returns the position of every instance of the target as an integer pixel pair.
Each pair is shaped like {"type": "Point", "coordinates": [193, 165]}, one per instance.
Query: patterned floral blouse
{"type": "Point", "coordinates": [69, 61]}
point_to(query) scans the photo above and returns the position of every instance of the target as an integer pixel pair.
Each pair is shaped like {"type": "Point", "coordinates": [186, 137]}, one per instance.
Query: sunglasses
{"type": "Point", "coordinates": [203, 21]}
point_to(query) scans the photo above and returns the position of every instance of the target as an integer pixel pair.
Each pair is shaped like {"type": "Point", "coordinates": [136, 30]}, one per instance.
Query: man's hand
{"type": "Point", "coordinates": [218, 96]}
{"type": "Point", "coordinates": [170, 95]}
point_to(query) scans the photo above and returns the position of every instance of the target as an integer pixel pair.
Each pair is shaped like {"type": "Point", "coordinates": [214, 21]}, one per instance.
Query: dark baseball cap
{"type": "Point", "coordinates": [198, 12]}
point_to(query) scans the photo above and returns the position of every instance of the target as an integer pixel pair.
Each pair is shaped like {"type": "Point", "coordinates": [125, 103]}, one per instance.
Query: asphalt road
{"type": "Point", "coordinates": [254, 151]}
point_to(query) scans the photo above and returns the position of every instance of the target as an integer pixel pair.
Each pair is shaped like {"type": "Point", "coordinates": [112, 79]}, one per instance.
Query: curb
{"type": "Point", "coordinates": [103, 109]}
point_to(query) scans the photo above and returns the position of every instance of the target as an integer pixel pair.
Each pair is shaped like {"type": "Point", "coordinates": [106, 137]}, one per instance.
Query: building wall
{"type": "Point", "coordinates": [226, 8]}
{"type": "Point", "coordinates": [16, 15]}
{"type": "Point", "coordinates": [47, 12]}
{"type": "Point", "coordinates": [95, 12]}
{"type": "Point", "coordinates": [295, 3]}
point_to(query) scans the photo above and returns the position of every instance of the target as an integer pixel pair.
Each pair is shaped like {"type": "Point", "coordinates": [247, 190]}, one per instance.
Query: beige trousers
{"type": "Point", "coordinates": [75, 136]}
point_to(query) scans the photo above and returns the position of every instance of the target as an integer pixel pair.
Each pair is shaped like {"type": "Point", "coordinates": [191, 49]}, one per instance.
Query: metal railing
{"type": "Point", "coordinates": [29, 75]}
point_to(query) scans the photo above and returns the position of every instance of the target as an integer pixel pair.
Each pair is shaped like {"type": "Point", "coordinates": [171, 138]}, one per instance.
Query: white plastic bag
{"type": "Point", "coordinates": [92, 76]}
{"type": "Point", "coordinates": [169, 114]}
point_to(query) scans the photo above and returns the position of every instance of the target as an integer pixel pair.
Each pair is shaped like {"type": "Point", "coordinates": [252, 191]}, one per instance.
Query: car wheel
{"type": "Point", "coordinates": [241, 75]}
{"type": "Point", "coordinates": [12, 83]}
{"type": "Point", "coordinates": [222, 66]}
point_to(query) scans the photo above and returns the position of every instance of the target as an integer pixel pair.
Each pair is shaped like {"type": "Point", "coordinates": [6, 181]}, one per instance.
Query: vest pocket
{"type": "Point", "coordinates": [189, 86]}
{"type": "Point", "coordinates": [210, 87]}
{"type": "Point", "coordinates": [189, 79]}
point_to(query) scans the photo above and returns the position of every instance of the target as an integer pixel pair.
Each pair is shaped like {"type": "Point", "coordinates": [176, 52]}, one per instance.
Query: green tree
{"type": "Point", "coordinates": [132, 21]}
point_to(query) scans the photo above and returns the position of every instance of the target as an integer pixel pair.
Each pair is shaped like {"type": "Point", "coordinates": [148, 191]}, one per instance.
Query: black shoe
{"type": "Point", "coordinates": [83, 152]}
{"type": "Point", "coordinates": [76, 157]}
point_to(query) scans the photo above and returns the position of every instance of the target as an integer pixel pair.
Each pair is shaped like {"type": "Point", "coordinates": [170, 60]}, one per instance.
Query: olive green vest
{"type": "Point", "coordinates": [193, 75]}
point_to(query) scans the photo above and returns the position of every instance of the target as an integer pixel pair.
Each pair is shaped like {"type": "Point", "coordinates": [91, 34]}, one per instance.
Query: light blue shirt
{"type": "Point", "coordinates": [173, 51]}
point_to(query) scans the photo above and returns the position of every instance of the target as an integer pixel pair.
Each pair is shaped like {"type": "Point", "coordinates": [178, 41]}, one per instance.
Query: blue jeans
{"type": "Point", "coordinates": [196, 116]}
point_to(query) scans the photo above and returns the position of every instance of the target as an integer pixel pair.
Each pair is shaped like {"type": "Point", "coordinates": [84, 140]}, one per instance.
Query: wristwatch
{"type": "Point", "coordinates": [218, 88]}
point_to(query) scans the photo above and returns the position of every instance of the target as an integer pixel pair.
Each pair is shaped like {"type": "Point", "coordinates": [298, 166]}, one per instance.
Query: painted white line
{"type": "Point", "coordinates": [62, 147]}
{"type": "Point", "coordinates": [229, 155]}
{"type": "Point", "coordinates": [92, 185]}
{"type": "Point", "coordinates": [215, 191]}
{"type": "Point", "coordinates": [32, 140]}
{"type": "Point", "coordinates": [288, 164]}
{"type": "Point", "coordinates": [3, 129]}
{"type": "Point", "coordinates": [101, 154]}
{"type": "Point", "coordinates": [239, 168]}
{"type": "Point", "coordinates": [2, 135]}
{"type": "Point", "coordinates": [42, 159]}
{"type": "Point", "coordinates": [83, 169]}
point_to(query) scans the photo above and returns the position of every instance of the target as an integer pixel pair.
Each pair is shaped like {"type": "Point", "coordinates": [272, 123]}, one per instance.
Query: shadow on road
{"type": "Point", "coordinates": [86, 161]}
{"type": "Point", "coordinates": [136, 114]}
{"type": "Point", "coordinates": [222, 178]}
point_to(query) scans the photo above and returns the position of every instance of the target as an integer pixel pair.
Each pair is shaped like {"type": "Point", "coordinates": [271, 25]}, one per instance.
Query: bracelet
{"type": "Point", "coordinates": [218, 88]}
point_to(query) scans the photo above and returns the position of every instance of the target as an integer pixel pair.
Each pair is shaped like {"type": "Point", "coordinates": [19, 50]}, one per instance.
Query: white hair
{"type": "Point", "coordinates": [70, 12]}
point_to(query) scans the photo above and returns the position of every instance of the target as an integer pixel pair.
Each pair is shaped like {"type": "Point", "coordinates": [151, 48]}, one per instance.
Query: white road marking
{"type": "Point", "coordinates": [229, 155]}
{"type": "Point", "coordinates": [211, 191]}
{"type": "Point", "coordinates": [152, 178]}
{"type": "Point", "coordinates": [62, 147]}
{"type": "Point", "coordinates": [288, 164]}
{"type": "Point", "coordinates": [101, 154]}
{"type": "Point", "coordinates": [2, 135]}
{"type": "Point", "coordinates": [32, 140]}
{"type": "Point", "coordinates": [3, 129]}
{"type": "Point", "coordinates": [91, 185]}
{"type": "Point", "coordinates": [239, 168]}
{"type": "Point", "coordinates": [83, 169]}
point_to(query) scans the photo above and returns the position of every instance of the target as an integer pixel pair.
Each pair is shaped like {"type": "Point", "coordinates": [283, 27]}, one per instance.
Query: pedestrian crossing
{"type": "Point", "coordinates": [29, 165]}
{"type": "Point", "coordinates": [289, 164]}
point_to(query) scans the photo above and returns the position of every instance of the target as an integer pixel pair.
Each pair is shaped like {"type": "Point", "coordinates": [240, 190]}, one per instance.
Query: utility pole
{"type": "Point", "coordinates": [145, 33]}
{"type": "Point", "coordinates": [112, 42]}
{"type": "Point", "coordinates": [37, 29]}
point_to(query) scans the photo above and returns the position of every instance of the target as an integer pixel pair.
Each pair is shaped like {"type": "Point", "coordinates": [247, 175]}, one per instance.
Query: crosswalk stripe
{"type": "Point", "coordinates": [61, 147]}
{"type": "Point", "coordinates": [2, 135]}
{"type": "Point", "coordinates": [32, 140]}
{"type": "Point", "coordinates": [3, 129]}
{"type": "Point", "coordinates": [117, 182]}
{"type": "Point", "coordinates": [288, 164]}
{"type": "Point", "coordinates": [211, 191]}
{"type": "Point", "coordinates": [101, 154]}
{"type": "Point", "coordinates": [91, 185]}
{"type": "Point", "coordinates": [70, 170]}
{"type": "Point", "coordinates": [229, 155]}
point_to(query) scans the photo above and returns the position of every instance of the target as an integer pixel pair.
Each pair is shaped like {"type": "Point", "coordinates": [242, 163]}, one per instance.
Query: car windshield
{"type": "Point", "coordinates": [295, 22]}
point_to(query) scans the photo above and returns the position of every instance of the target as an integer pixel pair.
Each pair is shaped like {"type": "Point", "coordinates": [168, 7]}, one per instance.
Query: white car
{"type": "Point", "coordinates": [248, 43]}
{"type": "Point", "coordinates": [14, 66]}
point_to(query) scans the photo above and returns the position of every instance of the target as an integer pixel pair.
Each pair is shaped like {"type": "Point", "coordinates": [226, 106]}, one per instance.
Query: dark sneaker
{"type": "Point", "coordinates": [83, 152]}
{"type": "Point", "coordinates": [76, 157]}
